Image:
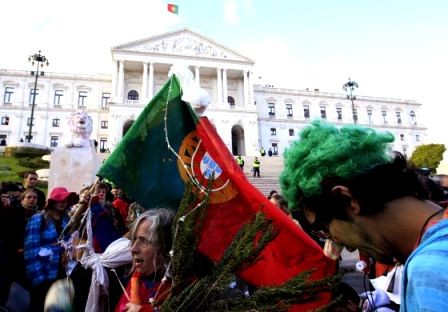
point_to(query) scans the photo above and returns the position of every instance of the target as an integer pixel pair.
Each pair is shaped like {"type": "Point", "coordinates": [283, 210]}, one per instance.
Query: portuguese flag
{"type": "Point", "coordinates": [169, 145]}
{"type": "Point", "coordinates": [173, 8]}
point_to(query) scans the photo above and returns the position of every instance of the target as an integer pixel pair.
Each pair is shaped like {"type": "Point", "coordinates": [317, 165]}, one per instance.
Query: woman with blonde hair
{"type": "Point", "coordinates": [151, 242]}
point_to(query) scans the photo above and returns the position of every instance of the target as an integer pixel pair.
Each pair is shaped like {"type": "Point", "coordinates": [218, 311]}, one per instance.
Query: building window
{"type": "Point", "coordinates": [413, 118]}
{"type": "Point", "coordinates": [271, 107]}
{"type": "Point", "coordinates": [28, 121]}
{"type": "Point", "coordinates": [54, 141]}
{"type": "Point", "coordinates": [104, 124]}
{"type": "Point", "coordinates": [7, 97]}
{"type": "Point", "coordinates": [323, 112]}
{"type": "Point", "coordinates": [339, 112]}
{"type": "Point", "coordinates": [417, 137]}
{"type": "Point", "coordinates": [273, 131]}
{"type": "Point", "coordinates": [103, 145]}
{"type": "Point", "coordinates": [231, 100]}
{"type": "Point", "coordinates": [289, 110]}
{"type": "Point", "coordinates": [5, 120]}
{"type": "Point", "coordinates": [384, 113]}
{"type": "Point", "coordinates": [405, 151]}
{"type": "Point", "coordinates": [58, 94]}
{"type": "Point", "coordinates": [398, 117]}
{"type": "Point", "coordinates": [33, 94]}
{"type": "Point", "coordinates": [133, 95]}
{"type": "Point", "coordinates": [291, 132]}
{"type": "Point", "coordinates": [105, 99]}
{"type": "Point", "coordinates": [306, 111]}
{"type": "Point", "coordinates": [402, 137]}
{"type": "Point", "coordinates": [355, 115]}
{"type": "Point", "coordinates": [56, 122]}
{"type": "Point", "coordinates": [82, 99]}
{"type": "Point", "coordinates": [274, 148]}
{"type": "Point", "coordinates": [369, 115]}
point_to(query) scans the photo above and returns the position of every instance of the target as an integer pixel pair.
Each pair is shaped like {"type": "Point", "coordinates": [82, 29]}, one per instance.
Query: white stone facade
{"type": "Point", "coordinates": [238, 109]}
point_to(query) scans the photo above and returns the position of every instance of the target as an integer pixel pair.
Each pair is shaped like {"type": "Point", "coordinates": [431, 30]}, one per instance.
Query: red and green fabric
{"type": "Point", "coordinates": [152, 174]}
{"type": "Point", "coordinates": [173, 8]}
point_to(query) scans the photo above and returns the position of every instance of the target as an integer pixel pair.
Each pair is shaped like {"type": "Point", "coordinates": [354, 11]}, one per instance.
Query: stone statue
{"type": "Point", "coordinates": [80, 124]}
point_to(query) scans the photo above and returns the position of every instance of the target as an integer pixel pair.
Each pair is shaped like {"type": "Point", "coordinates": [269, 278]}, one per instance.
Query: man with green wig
{"type": "Point", "coordinates": [348, 184]}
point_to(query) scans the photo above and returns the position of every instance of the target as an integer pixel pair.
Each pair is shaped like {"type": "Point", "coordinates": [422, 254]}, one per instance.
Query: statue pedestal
{"type": "Point", "coordinates": [73, 168]}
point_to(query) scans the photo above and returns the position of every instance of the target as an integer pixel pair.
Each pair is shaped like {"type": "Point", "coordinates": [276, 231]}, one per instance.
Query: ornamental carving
{"type": "Point", "coordinates": [184, 45]}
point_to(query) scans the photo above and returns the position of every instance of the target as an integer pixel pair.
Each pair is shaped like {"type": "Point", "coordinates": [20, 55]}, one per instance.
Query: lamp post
{"type": "Point", "coordinates": [41, 60]}
{"type": "Point", "coordinates": [350, 86]}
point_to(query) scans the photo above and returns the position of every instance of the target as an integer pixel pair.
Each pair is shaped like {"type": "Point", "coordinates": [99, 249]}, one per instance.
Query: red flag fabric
{"type": "Point", "coordinates": [173, 8]}
{"type": "Point", "coordinates": [233, 202]}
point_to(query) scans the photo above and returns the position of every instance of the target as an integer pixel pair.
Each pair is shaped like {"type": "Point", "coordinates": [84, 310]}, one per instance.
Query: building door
{"type": "Point", "coordinates": [238, 145]}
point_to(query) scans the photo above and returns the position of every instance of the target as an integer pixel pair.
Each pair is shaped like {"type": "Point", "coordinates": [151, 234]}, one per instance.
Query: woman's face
{"type": "Point", "coordinates": [145, 252]}
{"type": "Point", "coordinates": [6, 202]}
{"type": "Point", "coordinates": [102, 194]}
{"type": "Point", "coordinates": [60, 206]}
{"type": "Point", "coordinates": [30, 200]}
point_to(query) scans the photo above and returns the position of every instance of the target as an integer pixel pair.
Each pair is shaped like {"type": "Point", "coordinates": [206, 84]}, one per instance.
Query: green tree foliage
{"type": "Point", "coordinates": [428, 156]}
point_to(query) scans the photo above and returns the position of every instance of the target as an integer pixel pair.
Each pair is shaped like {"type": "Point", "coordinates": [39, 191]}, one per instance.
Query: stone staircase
{"type": "Point", "coordinates": [270, 170]}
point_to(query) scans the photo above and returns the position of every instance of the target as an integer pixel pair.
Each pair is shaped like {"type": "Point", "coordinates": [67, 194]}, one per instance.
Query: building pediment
{"type": "Point", "coordinates": [182, 43]}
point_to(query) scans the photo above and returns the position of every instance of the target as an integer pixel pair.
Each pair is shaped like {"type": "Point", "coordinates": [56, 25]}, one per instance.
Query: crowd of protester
{"type": "Point", "coordinates": [44, 239]}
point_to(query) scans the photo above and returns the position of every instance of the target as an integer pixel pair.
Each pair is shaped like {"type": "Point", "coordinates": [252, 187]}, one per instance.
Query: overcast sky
{"type": "Point", "coordinates": [392, 48]}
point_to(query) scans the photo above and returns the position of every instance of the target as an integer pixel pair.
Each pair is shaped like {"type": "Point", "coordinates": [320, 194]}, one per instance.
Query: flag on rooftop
{"type": "Point", "coordinates": [173, 8]}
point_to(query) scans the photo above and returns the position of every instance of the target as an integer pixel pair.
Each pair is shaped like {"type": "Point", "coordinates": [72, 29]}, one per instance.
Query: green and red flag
{"type": "Point", "coordinates": [173, 8]}
{"type": "Point", "coordinates": [169, 145]}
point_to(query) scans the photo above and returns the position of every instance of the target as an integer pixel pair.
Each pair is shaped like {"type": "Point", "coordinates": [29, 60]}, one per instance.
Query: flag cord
{"type": "Point", "coordinates": [192, 178]}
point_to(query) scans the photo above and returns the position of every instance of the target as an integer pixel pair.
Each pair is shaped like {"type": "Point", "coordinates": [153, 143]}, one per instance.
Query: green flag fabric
{"type": "Point", "coordinates": [142, 164]}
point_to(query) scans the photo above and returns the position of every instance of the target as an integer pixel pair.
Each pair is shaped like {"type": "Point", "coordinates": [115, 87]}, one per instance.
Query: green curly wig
{"type": "Point", "coordinates": [325, 151]}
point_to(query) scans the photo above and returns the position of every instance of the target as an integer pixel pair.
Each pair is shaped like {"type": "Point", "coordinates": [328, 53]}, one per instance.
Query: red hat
{"type": "Point", "coordinates": [60, 194]}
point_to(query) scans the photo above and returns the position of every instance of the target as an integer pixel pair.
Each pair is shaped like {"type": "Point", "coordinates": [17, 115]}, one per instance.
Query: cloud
{"type": "Point", "coordinates": [234, 11]}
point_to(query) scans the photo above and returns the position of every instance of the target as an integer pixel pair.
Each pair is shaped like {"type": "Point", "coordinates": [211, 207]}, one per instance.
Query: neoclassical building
{"type": "Point", "coordinates": [246, 115]}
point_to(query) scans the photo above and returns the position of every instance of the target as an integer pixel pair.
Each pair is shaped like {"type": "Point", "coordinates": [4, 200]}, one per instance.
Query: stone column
{"type": "Point", "coordinates": [151, 81]}
{"type": "Point", "coordinates": [120, 85]}
{"type": "Point", "coordinates": [114, 80]}
{"type": "Point", "coordinates": [145, 82]}
{"type": "Point", "coordinates": [196, 75]}
{"type": "Point", "coordinates": [251, 89]}
{"type": "Point", "coordinates": [219, 85]}
{"type": "Point", "coordinates": [224, 86]}
{"type": "Point", "coordinates": [245, 88]}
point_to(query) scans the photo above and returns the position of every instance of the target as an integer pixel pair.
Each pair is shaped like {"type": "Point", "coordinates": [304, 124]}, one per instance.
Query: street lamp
{"type": "Point", "coordinates": [41, 60]}
{"type": "Point", "coordinates": [350, 86]}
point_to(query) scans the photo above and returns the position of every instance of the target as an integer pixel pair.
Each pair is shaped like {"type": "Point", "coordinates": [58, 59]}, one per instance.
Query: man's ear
{"type": "Point", "coordinates": [345, 193]}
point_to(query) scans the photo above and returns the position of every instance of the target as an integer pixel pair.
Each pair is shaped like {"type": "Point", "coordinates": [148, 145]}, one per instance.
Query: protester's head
{"type": "Point", "coordinates": [346, 298]}
{"type": "Point", "coordinates": [134, 211]}
{"type": "Point", "coordinates": [30, 179]}
{"type": "Point", "coordinates": [5, 201]}
{"type": "Point", "coordinates": [151, 241]}
{"type": "Point", "coordinates": [332, 175]}
{"type": "Point", "coordinates": [28, 198]}
{"type": "Point", "coordinates": [272, 192]}
{"type": "Point", "coordinates": [280, 202]}
{"type": "Point", "coordinates": [60, 199]}
{"type": "Point", "coordinates": [103, 191]}
{"type": "Point", "coordinates": [84, 195]}
{"type": "Point", "coordinates": [116, 192]}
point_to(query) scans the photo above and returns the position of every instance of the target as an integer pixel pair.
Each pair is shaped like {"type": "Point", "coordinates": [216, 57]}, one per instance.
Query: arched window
{"type": "Point", "coordinates": [231, 101]}
{"type": "Point", "coordinates": [133, 95]}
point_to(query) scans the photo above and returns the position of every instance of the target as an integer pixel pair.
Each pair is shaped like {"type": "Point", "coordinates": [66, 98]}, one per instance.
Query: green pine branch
{"type": "Point", "coordinates": [200, 285]}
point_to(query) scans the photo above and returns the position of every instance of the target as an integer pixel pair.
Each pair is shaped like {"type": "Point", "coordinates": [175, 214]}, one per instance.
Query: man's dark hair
{"type": "Point", "coordinates": [26, 174]}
